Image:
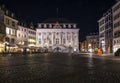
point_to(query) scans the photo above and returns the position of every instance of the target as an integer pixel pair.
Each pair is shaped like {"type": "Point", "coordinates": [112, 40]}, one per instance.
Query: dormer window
{"type": "Point", "coordinates": [69, 26]}
{"type": "Point", "coordinates": [50, 25]}
{"type": "Point", "coordinates": [12, 15]}
{"type": "Point", "coordinates": [64, 26]}
{"type": "Point", "coordinates": [6, 12]}
{"type": "Point", "coordinates": [7, 21]}
{"type": "Point", "coordinates": [74, 25]}
{"type": "Point", "coordinates": [45, 26]}
{"type": "Point", "coordinates": [40, 26]}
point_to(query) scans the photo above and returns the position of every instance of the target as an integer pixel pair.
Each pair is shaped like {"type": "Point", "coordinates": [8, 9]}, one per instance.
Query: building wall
{"type": "Point", "coordinates": [2, 30]}
{"type": "Point", "coordinates": [57, 37]}
{"type": "Point", "coordinates": [22, 36]}
{"type": "Point", "coordinates": [102, 33]}
{"type": "Point", "coordinates": [116, 26]}
{"type": "Point", "coordinates": [92, 42]}
{"type": "Point", "coordinates": [106, 32]}
{"type": "Point", "coordinates": [31, 37]}
{"type": "Point", "coordinates": [11, 30]}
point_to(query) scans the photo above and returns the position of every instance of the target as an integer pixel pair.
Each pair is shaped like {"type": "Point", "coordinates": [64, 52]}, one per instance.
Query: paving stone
{"type": "Point", "coordinates": [58, 68]}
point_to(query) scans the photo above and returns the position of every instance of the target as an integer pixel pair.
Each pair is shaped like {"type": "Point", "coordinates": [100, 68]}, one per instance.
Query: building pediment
{"type": "Point", "coordinates": [57, 26]}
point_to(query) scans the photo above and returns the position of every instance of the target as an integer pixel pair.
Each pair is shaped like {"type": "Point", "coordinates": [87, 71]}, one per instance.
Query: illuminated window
{"type": "Point", "coordinates": [9, 31]}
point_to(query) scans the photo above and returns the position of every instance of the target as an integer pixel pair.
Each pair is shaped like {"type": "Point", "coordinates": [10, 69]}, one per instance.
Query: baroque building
{"type": "Point", "coordinates": [26, 37]}
{"type": "Point", "coordinates": [57, 35]}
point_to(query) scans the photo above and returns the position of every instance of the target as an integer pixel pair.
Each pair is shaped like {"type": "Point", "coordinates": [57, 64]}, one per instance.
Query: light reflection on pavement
{"type": "Point", "coordinates": [58, 68]}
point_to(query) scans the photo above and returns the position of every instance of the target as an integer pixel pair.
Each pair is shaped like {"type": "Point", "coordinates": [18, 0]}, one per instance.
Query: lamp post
{"type": "Point", "coordinates": [69, 46]}
{"type": "Point", "coordinates": [5, 46]}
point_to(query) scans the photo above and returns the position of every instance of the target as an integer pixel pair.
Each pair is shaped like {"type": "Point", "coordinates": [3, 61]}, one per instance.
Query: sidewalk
{"type": "Point", "coordinates": [101, 56]}
{"type": "Point", "coordinates": [110, 54]}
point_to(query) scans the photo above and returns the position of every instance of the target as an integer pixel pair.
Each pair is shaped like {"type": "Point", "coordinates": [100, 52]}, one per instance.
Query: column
{"type": "Point", "coordinates": [71, 39]}
{"type": "Point", "coordinates": [42, 39]}
{"type": "Point", "coordinates": [59, 38]}
{"type": "Point", "coordinates": [52, 38]}
{"type": "Point", "coordinates": [66, 41]}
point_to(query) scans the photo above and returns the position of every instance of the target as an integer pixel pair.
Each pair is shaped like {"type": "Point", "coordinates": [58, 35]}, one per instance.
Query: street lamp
{"type": "Point", "coordinates": [5, 47]}
{"type": "Point", "coordinates": [69, 46]}
{"type": "Point", "coordinates": [6, 44]}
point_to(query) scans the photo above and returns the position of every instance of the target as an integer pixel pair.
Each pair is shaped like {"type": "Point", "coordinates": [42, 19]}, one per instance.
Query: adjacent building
{"type": "Point", "coordinates": [92, 42]}
{"type": "Point", "coordinates": [32, 38]}
{"type": "Point", "coordinates": [106, 32]}
{"type": "Point", "coordinates": [11, 25]}
{"type": "Point", "coordinates": [116, 26]}
{"type": "Point", "coordinates": [22, 37]}
{"type": "Point", "coordinates": [26, 37]}
{"type": "Point", "coordinates": [83, 46]}
{"type": "Point", "coordinates": [57, 35]}
{"type": "Point", "coordinates": [2, 30]}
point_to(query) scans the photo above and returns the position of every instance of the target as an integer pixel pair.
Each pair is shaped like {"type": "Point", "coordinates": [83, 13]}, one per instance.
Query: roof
{"type": "Point", "coordinates": [54, 20]}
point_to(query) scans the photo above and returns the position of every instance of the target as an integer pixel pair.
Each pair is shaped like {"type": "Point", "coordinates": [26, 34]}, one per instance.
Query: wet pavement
{"type": "Point", "coordinates": [58, 68]}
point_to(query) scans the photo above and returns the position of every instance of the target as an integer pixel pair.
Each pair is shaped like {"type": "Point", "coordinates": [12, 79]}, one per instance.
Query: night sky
{"type": "Point", "coordinates": [83, 12]}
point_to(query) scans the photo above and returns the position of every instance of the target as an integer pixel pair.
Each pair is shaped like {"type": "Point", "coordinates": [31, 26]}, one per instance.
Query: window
{"type": "Point", "coordinates": [40, 26]}
{"type": "Point", "coordinates": [40, 34]}
{"type": "Point", "coordinates": [45, 26]}
{"type": "Point", "coordinates": [116, 8]}
{"type": "Point", "coordinates": [69, 26]}
{"type": "Point", "coordinates": [25, 36]}
{"type": "Point", "coordinates": [57, 41]}
{"type": "Point", "coordinates": [9, 31]}
{"type": "Point", "coordinates": [13, 32]}
{"type": "Point", "coordinates": [12, 41]}
{"type": "Point", "coordinates": [64, 26]}
{"type": "Point", "coordinates": [19, 34]}
{"type": "Point", "coordinates": [7, 21]}
{"type": "Point", "coordinates": [63, 41]}
{"type": "Point", "coordinates": [25, 30]}
{"type": "Point", "coordinates": [50, 42]}
{"type": "Point", "coordinates": [50, 25]}
{"type": "Point", "coordinates": [74, 25]}
{"type": "Point", "coordinates": [13, 23]}
{"type": "Point", "coordinates": [7, 39]}
{"type": "Point", "coordinates": [39, 41]}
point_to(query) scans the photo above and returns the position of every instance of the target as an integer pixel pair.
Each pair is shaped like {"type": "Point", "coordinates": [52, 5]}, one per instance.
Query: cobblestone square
{"type": "Point", "coordinates": [58, 68]}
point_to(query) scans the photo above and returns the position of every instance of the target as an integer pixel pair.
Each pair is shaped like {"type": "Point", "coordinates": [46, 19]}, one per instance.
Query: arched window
{"type": "Point", "coordinates": [7, 39]}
